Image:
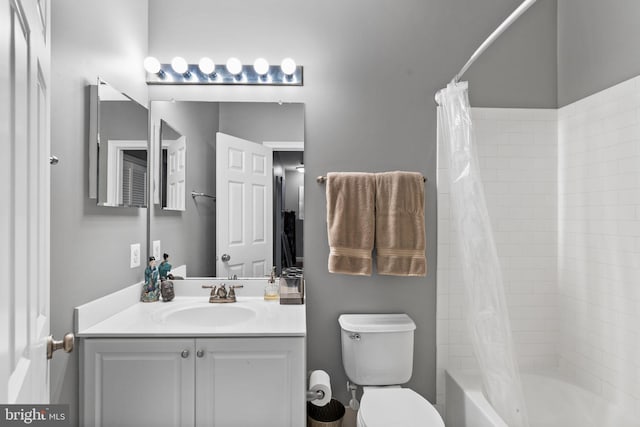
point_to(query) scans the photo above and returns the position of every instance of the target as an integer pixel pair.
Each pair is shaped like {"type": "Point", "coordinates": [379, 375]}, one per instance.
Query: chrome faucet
{"type": "Point", "coordinates": [219, 294]}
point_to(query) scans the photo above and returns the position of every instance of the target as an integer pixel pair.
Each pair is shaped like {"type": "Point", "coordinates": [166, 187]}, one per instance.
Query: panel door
{"type": "Point", "coordinates": [244, 207]}
{"type": "Point", "coordinates": [176, 174]}
{"type": "Point", "coordinates": [137, 382]}
{"type": "Point", "coordinates": [24, 190]}
{"type": "Point", "coordinates": [244, 382]}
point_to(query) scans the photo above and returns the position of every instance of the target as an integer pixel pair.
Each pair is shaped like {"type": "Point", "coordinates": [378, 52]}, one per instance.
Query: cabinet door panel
{"type": "Point", "coordinates": [138, 383]}
{"type": "Point", "coordinates": [244, 382]}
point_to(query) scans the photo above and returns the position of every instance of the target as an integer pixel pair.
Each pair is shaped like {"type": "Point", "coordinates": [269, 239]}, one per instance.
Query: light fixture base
{"type": "Point", "coordinates": [221, 76]}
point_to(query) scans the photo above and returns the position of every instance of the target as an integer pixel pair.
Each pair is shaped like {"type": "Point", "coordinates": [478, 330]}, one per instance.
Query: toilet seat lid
{"type": "Point", "coordinates": [401, 407]}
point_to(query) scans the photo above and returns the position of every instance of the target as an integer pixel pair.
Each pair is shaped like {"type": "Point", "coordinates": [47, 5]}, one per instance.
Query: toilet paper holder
{"type": "Point", "coordinates": [314, 395]}
{"type": "Point", "coordinates": [319, 388]}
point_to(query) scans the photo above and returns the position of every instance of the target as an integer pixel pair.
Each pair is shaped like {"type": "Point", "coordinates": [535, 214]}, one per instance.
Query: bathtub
{"type": "Point", "coordinates": [551, 402]}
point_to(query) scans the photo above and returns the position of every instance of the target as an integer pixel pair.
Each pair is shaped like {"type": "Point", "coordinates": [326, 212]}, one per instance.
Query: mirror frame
{"type": "Point", "coordinates": [94, 142]}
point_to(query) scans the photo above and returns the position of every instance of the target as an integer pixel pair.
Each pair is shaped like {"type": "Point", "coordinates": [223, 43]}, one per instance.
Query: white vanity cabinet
{"type": "Point", "coordinates": [250, 382]}
{"type": "Point", "coordinates": [221, 382]}
{"type": "Point", "coordinates": [137, 382]}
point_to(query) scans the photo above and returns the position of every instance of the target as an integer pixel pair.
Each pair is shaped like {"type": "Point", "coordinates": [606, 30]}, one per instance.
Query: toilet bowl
{"type": "Point", "coordinates": [377, 353]}
{"type": "Point", "coordinates": [396, 407]}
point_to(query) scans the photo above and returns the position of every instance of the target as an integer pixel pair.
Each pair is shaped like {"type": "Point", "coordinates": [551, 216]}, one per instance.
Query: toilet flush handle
{"type": "Point", "coordinates": [355, 336]}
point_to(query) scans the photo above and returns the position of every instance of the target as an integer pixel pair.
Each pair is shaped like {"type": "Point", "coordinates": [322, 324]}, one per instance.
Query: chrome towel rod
{"type": "Point", "coordinates": [322, 179]}
{"type": "Point", "coordinates": [195, 194]}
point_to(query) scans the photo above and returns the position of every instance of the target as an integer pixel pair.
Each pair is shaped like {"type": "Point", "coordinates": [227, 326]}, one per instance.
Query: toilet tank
{"type": "Point", "coordinates": [377, 349]}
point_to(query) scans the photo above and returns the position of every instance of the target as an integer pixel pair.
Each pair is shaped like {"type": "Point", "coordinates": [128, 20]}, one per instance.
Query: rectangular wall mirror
{"type": "Point", "coordinates": [118, 145]}
{"type": "Point", "coordinates": [227, 184]}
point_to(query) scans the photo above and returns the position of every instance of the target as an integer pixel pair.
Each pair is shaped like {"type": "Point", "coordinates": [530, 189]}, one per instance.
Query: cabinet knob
{"type": "Point", "coordinates": [200, 353]}
{"type": "Point", "coordinates": [184, 354]}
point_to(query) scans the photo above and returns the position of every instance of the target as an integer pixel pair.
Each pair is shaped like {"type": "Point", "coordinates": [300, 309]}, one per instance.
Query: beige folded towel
{"type": "Point", "coordinates": [350, 221]}
{"type": "Point", "coordinates": [400, 230]}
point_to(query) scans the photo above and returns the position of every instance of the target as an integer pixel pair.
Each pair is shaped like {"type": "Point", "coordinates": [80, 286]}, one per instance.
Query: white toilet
{"type": "Point", "coordinates": [377, 353]}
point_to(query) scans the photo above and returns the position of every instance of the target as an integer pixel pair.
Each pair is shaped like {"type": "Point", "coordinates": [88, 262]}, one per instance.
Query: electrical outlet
{"type": "Point", "coordinates": [135, 255]}
{"type": "Point", "coordinates": [157, 251]}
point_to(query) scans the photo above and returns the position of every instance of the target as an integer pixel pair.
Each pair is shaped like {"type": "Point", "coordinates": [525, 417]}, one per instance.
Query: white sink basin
{"type": "Point", "coordinates": [215, 315]}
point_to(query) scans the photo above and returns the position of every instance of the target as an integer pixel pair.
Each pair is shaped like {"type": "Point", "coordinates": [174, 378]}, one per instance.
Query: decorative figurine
{"type": "Point", "coordinates": [164, 268]}
{"type": "Point", "coordinates": [166, 289]}
{"type": "Point", "coordinates": [151, 288]}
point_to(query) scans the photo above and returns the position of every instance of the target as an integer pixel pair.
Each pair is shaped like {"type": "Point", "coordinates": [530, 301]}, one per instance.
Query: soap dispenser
{"type": "Point", "coordinates": [271, 289]}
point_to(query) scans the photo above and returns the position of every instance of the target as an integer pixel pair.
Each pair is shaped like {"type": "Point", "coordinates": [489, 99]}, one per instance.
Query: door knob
{"type": "Point", "coordinates": [65, 344]}
{"type": "Point", "coordinates": [226, 257]}
{"type": "Point", "coordinates": [53, 160]}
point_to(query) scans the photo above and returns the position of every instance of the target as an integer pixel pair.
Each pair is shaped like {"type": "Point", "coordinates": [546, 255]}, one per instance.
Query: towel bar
{"type": "Point", "coordinates": [322, 179]}
{"type": "Point", "coordinates": [195, 194]}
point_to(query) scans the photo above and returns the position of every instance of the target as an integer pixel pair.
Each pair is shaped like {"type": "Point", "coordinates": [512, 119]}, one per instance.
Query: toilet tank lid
{"type": "Point", "coordinates": [376, 322]}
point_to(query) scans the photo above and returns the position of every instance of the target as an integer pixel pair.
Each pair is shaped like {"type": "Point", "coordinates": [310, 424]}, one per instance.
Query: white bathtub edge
{"type": "Point", "coordinates": [463, 390]}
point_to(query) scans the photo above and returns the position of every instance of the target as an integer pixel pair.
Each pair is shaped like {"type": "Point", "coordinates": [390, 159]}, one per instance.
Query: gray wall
{"type": "Point", "coordinates": [519, 69]}
{"type": "Point", "coordinates": [370, 77]}
{"type": "Point", "coordinates": [259, 122]}
{"type": "Point", "coordinates": [89, 244]}
{"type": "Point", "coordinates": [189, 237]}
{"type": "Point", "coordinates": [597, 46]}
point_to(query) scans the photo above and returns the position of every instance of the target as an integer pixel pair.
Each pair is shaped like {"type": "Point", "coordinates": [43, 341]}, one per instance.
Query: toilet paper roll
{"type": "Point", "coordinates": [319, 381]}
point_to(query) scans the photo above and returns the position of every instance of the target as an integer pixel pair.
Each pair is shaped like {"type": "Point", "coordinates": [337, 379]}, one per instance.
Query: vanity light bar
{"type": "Point", "coordinates": [233, 72]}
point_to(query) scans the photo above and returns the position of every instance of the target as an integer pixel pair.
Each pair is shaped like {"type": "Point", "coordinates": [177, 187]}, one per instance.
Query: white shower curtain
{"type": "Point", "coordinates": [486, 310]}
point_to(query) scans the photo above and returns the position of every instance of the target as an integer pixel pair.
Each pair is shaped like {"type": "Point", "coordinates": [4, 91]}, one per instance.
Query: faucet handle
{"type": "Point", "coordinates": [232, 290]}
{"type": "Point", "coordinates": [214, 291]}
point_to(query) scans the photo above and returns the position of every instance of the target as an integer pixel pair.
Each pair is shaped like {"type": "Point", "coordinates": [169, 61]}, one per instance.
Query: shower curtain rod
{"type": "Point", "coordinates": [489, 41]}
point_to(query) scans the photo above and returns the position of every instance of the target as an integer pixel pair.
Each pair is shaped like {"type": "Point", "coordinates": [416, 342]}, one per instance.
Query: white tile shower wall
{"type": "Point", "coordinates": [599, 241]}
{"type": "Point", "coordinates": [517, 150]}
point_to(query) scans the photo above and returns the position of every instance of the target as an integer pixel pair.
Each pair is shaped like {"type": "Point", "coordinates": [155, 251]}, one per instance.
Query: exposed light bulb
{"type": "Point", "coordinates": [152, 65]}
{"type": "Point", "coordinates": [179, 65]}
{"type": "Point", "coordinates": [288, 66]}
{"type": "Point", "coordinates": [261, 66]}
{"type": "Point", "coordinates": [300, 168]}
{"type": "Point", "coordinates": [234, 66]}
{"type": "Point", "coordinates": [206, 65]}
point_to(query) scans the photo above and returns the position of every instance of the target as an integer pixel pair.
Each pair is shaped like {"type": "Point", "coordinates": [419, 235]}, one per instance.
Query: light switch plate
{"type": "Point", "coordinates": [157, 249]}
{"type": "Point", "coordinates": [135, 255]}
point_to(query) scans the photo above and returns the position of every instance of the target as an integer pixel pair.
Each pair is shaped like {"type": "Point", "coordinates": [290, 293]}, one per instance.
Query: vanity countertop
{"type": "Point", "coordinates": [121, 315]}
